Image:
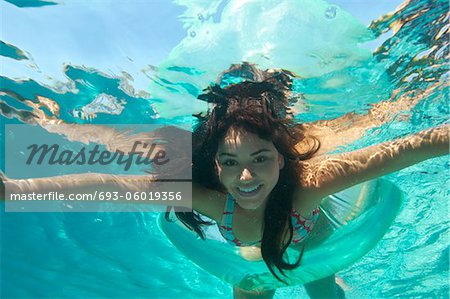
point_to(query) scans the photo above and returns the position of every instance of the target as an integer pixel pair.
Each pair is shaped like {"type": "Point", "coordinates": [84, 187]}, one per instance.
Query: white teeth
{"type": "Point", "coordinates": [249, 189]}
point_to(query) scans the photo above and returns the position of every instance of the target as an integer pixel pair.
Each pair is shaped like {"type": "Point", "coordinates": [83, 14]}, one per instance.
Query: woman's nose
{"type": "Point", "coordinates": [246, 175]}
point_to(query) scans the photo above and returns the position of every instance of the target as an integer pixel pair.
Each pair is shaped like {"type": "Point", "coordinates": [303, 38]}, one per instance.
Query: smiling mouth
{"type": "Point", "coordinates": [247, 192]}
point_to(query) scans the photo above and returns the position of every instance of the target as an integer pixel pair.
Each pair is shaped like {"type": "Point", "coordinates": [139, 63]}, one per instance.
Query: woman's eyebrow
{"type": "Point", "coordinates": [253, 154]}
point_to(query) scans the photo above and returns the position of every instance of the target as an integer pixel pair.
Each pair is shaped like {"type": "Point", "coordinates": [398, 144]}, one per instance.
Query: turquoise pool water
{"type": "Point", "coordinates": [345, 66]}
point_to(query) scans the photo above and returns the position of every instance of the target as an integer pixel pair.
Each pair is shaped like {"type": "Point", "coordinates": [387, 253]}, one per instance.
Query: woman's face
{"type": "Point", "coordinates": [248, 167]}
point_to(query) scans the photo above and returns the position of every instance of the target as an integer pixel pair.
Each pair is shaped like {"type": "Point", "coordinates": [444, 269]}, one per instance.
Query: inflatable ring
{"type": "Point", "coordinates": [350, 224]}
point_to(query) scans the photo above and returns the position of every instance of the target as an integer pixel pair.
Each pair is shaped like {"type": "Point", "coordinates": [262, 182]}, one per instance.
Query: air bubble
{"type": "Point", "coordinates": [200, 17]}
{"type": "Point", "coordinates": [330, 13]}
{"type": "Point", "coordinates": [192, 34]}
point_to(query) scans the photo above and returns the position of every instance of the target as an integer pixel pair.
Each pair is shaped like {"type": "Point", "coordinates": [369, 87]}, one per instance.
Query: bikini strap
{"type": "Point", "coordinates": [227, 216]}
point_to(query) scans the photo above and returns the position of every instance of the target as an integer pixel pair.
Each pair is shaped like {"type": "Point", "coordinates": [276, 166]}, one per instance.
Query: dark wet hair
{"type": "Point", "coordinates": [260, 105]}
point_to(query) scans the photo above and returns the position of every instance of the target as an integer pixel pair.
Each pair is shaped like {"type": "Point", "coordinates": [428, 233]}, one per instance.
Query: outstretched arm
{"type": "Point", "coordinates": [325, 175]}
{"type": "Point", "coordinates": [79, 183]}
{"type": "Point", "coordinates": [125, 189]}
{"type": "Point", "coordinates": [351, 126]}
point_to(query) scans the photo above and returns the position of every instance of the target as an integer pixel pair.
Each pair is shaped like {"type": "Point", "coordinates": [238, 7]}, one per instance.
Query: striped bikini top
{"type": "Point", "coordinates": [302, 226]}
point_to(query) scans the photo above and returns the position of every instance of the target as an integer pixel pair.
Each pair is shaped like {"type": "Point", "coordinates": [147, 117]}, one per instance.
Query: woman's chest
{"type": "Point", "coordinates": [249, 229]}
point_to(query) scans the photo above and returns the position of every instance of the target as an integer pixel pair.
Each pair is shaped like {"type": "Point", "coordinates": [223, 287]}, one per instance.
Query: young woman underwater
{"type": "Point", "coordinates": [261, 176]}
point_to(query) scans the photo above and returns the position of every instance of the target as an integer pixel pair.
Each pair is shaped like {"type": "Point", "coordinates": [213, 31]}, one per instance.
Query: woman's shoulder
{"type": "Point", "coordinates": [208, 202]}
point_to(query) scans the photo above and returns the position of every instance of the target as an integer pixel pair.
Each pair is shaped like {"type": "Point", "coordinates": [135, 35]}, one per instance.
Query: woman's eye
{"type": "Point", "coordinates": [229, 163]}
{"type": "Point", "coordinates": [260, 159]}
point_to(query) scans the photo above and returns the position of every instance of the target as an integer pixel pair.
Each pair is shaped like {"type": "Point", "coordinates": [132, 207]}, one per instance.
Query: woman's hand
{"type": "Point", "coordinates": [2, 185]}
